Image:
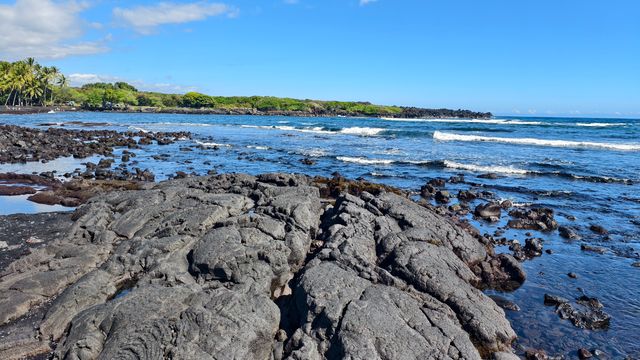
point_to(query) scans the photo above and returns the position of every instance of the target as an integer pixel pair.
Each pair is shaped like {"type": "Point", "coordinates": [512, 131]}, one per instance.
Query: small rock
{"type": "Point", "coordinates": [465, 195]}
{"type": "Point", "coordinates": [535, 354]}
{"type": "Point", "coordinates": [572, 275]}
{"type": "Point", "coordinates": [33, 240]}
{"type": "Point", "coordinates": [551, 300]}
{"type": "Point", "coordinates": [488, 211]}
{"type": "Point", "coordinates": [533, 247]}
{"type": "Point", "coordinates": [105, 163]}
{"type": "Point", "coordinates": [491, 176]}
{"type": "Point", "coordinates": [3, 245]}
{"type": "Point", "coordinates": [636, 264]}
{"type": "Point", "coordinates": [584, 354]}
{"type": "Point", "coordinates": [442, 197]}
{"type": "Point", "coordinates": [438, 183]}
{"type": "Point", "coordinates": [568, 233]}
{"type": "Point", "coordinates": [507, 204]}
{"type": "Point", "coordinates": [598, 229]}
{"type": "Point", "coordinates": [595, 249]}
{"type": "Point", "coordinates": [456, 179]}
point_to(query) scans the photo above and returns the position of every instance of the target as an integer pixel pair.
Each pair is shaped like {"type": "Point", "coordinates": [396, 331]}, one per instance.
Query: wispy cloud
{"type": "Point", "coordinates": [366, 2]}
{"type": "Point", "coordinates": [146, 19]}
{"type": "Point", "coordinates": [79, 79]}
{"type": "Point", "coordinates": [44, 29]}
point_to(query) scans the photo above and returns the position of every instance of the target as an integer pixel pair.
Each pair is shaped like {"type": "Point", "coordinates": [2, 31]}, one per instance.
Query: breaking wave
{"type": "Point", "coordinates": [442, 136]}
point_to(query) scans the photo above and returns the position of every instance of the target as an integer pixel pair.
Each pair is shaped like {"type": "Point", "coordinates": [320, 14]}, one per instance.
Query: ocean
{"type": "Point", "coordinates": [587, 170]}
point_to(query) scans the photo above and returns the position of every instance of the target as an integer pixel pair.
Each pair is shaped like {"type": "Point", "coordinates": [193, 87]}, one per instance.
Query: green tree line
{"type": "Point", "coordinates": [27, 83]}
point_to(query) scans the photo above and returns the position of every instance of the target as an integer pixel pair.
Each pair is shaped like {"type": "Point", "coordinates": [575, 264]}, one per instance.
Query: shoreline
{"type": "Point", "coordinates": [437, 190]}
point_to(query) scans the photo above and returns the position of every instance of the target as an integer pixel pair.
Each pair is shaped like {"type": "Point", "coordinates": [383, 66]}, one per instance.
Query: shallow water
{"type": "Point", "coordinates": [587, 168]}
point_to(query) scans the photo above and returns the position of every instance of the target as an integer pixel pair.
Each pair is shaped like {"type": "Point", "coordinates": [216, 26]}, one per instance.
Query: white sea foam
{"type": "Point", "coordinates": [181, 124]}
{"type": "Point", "coordinates": [211, 144]}
{"type": "Point", "coordinates": [258, 147]}
{"type": "Point", "coordinates": [365, 161]}
{"type": "Point", "coordinates": [361, 131]}
{"type": "Point", "coordinates": [470, 121]}
{"type": "Point", "coordinates": [364, 131]}
{"type": "Point", "coordinates": [488, 169]}
{"type": "Point", "coordinates": [601, 124]}
{"type": "Point", "coordinates": [314, 152]}
{"type": "Point", "coordinates": [442, 136]}
{"type": "Point", "coordinates": [138, 129]}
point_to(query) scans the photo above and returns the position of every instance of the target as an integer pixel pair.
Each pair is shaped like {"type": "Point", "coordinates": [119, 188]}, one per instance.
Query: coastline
{"type": "Point", "coordinates": [216, 111]}
{"type": "Point", "coordinates": [432, 196]}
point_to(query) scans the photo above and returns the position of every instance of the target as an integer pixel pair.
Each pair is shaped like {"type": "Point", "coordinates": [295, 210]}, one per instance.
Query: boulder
{"type": "Point", "coordinates": [237, 266]}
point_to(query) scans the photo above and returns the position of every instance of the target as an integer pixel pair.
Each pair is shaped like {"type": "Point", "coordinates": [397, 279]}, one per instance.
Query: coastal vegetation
{"type": "Point", "coordinates": [27, 83]}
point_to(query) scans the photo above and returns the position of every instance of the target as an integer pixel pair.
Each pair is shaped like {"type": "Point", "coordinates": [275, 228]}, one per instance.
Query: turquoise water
{"type": "Point", "coordinates": [583, 168]}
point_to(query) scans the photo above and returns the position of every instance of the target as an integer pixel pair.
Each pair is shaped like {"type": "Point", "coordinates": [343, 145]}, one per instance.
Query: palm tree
{"type": "Point", "coordinates": [19, 76]}
{"type": "Point", "coordinates": [5, 68]}
{"type": "Point", "coordinates": [28, 83]}
{"type": "Point", "coordinates": [61, 81]}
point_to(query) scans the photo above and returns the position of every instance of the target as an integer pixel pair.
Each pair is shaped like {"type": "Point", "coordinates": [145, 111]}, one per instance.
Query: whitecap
{"type": "Point", "coordinates": [139, 129]}
{"type": "Point", "coordinates": [365, 161]}
{"type": "Point", "coordinates": [487, 169]}
{"type": "Point", "coordinates": [211, 144]}
{"type": "Point", "coordinates": [364, 131]}
{"type": "Point", "coordinates": [258, 147]}
{"type": "Point", "coordinates": [469, 121]}
{"type": "Point", "coordinates": [601, 124]}
{"type": "Point", "coordinates": [442, 136]}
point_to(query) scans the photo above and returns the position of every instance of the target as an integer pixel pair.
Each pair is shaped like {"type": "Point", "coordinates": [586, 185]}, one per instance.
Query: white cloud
{"type": "Point", "coordinates": [44, 29]}
{"type": "Point", "coordinates": [81, 79]}
{"type": "Point", "coordinates": [145, 19]}
{"type": "Point", "coordinates": [366, 2]}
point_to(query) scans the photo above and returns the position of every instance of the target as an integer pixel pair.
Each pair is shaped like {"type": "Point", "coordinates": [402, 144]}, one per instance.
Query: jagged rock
{"type": "Point", "coordinates": [236, 266]}
{"type": "Point", "coordinates": [587, 313]}
{"type": "Point", "coordinates": [541, 219]}
{"type": "Point", "coordinates": [533, 247]}
{"type": "Point", "coordinates": [442, 197]}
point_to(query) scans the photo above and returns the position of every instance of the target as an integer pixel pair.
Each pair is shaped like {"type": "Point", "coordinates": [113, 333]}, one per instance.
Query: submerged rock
{"type": "Point", "coordinates": [488, 211]}
{"type": "Point", "coordinates": [236, 266]}
{"type": "Point", "coordinates": [568, 233]}
{"type": "Point", "coordinates": [587, 313]}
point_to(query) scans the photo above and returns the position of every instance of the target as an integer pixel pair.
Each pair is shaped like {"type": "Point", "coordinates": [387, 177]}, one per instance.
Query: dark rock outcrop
{"type": "Point", "coordinates": [236, 266]}
{"type": "Point", "coordinates": [21, 144]}
{"type": "Point", "coordinates": [541, 219]}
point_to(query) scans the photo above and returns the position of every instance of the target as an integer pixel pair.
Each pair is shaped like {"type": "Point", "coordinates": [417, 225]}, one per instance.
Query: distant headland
{"type": "Point", "coordinates": [28, 87]}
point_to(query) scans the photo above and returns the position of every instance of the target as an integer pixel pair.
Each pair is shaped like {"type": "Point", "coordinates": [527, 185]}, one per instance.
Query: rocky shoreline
{"type": "Point", "coordinates": [300, 267]}
{"type": "Point", "coordinates": [257, 267]}
{"type": "Point", "coordinates": [407, 112]}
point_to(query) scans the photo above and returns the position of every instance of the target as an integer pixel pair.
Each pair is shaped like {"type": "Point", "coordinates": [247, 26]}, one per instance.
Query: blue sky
{"type": "Point", "coordinates": [560, 57]}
